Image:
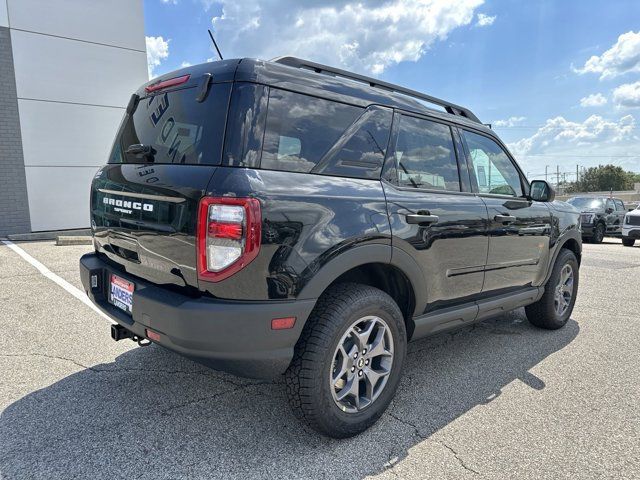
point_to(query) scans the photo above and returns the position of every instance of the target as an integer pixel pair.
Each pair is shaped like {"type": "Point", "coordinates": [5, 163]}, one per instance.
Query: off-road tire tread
{"type": "Point", "coordinates": [542, 313]}
{"type": "Point", "coordinates": [314, 341]}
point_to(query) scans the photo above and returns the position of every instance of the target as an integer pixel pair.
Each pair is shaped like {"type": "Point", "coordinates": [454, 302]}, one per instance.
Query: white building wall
{"type": "Point", "coordinates": [76, 62]}
{"type": "Point", "coordinates": [4, 18]}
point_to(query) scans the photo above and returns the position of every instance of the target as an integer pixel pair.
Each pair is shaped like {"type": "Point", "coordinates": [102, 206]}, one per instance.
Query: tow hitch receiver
{"type": "Point", "coordinates": [118, 332]}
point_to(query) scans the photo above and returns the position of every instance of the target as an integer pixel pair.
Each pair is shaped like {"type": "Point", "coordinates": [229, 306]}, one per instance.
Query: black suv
{"type": "Point", "coordinates": [286, 217]}
{"type": "Point", "coordinates": [600, 216]}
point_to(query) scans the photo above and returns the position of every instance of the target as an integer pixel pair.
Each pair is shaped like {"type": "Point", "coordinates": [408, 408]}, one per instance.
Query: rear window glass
{"type": "Point", "coordinates": [172, 127]}
{"type": "Point", "coordinates": [425, 155]}
{"type": "Point", "coordinates": [301, 129]}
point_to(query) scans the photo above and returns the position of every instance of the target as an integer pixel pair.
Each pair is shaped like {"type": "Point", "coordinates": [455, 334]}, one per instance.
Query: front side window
{"type": "Point", "coordinates": [425, 156]}
{"type": "Point", "coordinates": [495, 172]}
{"type": "Point", "coordinates": [610, 204]}
{"type": "Point", "coordinates": [619, 205]}
{"type": "Point", "coordinates": [301, 129]}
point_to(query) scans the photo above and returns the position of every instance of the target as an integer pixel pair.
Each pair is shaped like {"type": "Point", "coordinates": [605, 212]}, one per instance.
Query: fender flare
{"type": "Point", "coordinates": [564, 238]}
{"type": "Point", "coordinates": [362, 255]}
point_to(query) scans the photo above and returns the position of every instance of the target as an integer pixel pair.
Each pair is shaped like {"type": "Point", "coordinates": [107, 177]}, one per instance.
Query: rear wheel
{"type": "Point", "coordinates": [598, 233]}
{"type": "Point", "coordinates": [628, 242]}
{"type": "Point", "coordinates": [348, 361]}
{"type": "Point", "coordinates": [556, 304]}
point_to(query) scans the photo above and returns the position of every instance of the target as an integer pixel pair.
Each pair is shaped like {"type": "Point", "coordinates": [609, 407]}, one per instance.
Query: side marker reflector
{"type": "Point", "coordinates": [151, 335]}
{"type": "Point", "coordinates": [283, 323]}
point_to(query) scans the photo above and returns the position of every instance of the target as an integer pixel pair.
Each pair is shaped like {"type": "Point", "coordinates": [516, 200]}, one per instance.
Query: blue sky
{"type": "Point", "coordinates": [558, 79]}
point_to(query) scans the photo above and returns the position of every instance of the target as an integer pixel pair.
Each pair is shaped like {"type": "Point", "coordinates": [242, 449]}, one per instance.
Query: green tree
{"type": "Point", "coordinates": [634, 177]}
{"type": "Point", "coordinates": [603, 178]}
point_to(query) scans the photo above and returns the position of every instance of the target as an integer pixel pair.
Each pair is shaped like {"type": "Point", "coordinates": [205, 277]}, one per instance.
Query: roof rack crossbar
{"type": "Point", "coordinates": [451, 108]}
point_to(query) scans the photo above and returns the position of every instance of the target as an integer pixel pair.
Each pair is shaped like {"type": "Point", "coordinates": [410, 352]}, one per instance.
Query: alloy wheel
{"type": "Point", "coordinates": [564, 290]}
{"type": "Point", "coordinates": [361, 364]}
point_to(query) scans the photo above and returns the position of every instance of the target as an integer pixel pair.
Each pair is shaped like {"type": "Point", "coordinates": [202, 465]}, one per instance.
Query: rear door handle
{"type": "Point", "coordinates": [420, 219]}
{"type": "Point", "coordinates": [505, 219]}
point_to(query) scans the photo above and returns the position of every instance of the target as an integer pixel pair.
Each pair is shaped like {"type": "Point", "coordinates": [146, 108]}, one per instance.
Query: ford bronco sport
{"type": "Point", "coordinates": [286, 217]}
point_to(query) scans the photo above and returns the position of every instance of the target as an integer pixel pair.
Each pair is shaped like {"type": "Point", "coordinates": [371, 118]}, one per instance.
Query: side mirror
{"type": "Point", "coordinates": [541, 191]}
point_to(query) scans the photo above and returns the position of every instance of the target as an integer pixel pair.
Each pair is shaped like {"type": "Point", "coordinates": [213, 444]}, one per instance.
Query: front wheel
{"type": "Point", "coordinates": [348, 361]}
{"type": "Point", "coordinates": [555, 306]}
{"type": "Point", "coordinates": [628, 242]}
{"type": "Point", "coordinates": [598, 233]}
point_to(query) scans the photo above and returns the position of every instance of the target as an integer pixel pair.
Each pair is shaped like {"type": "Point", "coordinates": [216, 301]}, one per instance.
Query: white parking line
{"type": "Point", "coordinates": [79, 294]}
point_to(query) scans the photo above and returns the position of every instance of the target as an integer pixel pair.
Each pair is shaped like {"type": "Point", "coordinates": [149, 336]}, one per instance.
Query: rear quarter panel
{"type": "Point", "coordinates": [307, 220]}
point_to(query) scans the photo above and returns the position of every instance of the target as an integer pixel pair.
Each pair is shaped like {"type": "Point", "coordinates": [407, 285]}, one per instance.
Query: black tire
{"type": "Point", "coordinates": [628, 242]}
{"type": "Point", "coordinates": [543, 313]}
{"type": "Point", "coordinates": [598, 233]}
{"type": "Point", "coordinates": [308, 377]}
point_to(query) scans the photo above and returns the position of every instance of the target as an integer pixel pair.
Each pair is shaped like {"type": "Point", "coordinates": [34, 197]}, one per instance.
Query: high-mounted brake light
{"type": "Point", "coordinates": [172, 82]}
{"type": "Point", "coordinates": [229, 231]}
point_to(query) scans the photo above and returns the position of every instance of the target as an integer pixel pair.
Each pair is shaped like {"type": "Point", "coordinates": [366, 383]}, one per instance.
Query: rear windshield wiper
{"type": "Point", "coordinates": [139, 150]}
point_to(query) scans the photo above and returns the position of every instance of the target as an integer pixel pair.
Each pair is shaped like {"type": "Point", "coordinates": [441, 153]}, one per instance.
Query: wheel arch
{"type": "Point", "coordinates": [573, 245]}
{"type": "Point", "coordinates": [571, 241]}
{"type": "Point", "coordinates": [381, 266]}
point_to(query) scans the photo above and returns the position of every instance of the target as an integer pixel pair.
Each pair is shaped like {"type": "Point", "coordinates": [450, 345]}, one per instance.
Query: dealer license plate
{"type": "Point", "coordinates": [121, 293]}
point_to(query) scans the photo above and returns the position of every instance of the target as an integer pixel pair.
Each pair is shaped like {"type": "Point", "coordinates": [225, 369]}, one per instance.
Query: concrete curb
{"type": "Point", "coordinates": [52, 235]}
{"type": "Point", "coordinates": [65, 240]}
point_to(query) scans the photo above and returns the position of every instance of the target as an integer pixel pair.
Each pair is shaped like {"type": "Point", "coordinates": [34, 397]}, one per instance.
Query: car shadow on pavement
{"type": "Point", "coordinates": [153, 414]}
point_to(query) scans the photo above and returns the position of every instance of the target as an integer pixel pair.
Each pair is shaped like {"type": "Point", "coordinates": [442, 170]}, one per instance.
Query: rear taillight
{"type": "Point", "coordinates": [229, 231]}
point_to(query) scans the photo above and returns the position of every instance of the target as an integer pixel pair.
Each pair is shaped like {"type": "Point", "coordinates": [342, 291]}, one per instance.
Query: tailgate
{"type": "Point", "coordinates": [149, 229]}
{"type": "Point", "coordinates": [144, 202]}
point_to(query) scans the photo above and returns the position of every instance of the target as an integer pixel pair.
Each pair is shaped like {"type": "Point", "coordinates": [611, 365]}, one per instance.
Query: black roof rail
{"type": "Point", "coordinates": [451, 108]}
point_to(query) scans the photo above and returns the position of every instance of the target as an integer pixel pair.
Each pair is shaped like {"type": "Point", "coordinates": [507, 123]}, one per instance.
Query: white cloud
{"type": "Point", "coordinates": [622, 57]}
{"type": "Point", "coordinates": [157, 51]}
{"type": "Point", "coordinates": [174, 2]}
{"type": "Point", "coordinates": [366, 36]}
{"type": "Point", "coordinates": [185, 64]}
{"type": "Point", "coordinates": [485, 20]}
{"type": "Point", "coordinates": [627, 95]}
{"type": "Point", "coordinates": [589, 143]}
{"type": "Point", "coordinates": [593, 100]}
{"type": "Point", "coordinates": [509, 122]}
{"type": "Point", "coordinates": [561, 133]}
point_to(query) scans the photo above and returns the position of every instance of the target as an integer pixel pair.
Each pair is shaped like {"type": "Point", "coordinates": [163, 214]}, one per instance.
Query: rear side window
{"type": "Point", "coordinates": [425, 156]}
{"type": "Point", "coordinates": [301, 129]}
{"type": "Point", "coordinates": [619, 205]}
{"type": "Point", "coordinates": [172, 127]}
{"type": "Point", "coordinates": [361, 149]}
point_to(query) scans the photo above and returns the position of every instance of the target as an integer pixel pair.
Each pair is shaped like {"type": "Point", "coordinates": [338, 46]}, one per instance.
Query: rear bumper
{"type": "Point", "coordinates": [226, 335]}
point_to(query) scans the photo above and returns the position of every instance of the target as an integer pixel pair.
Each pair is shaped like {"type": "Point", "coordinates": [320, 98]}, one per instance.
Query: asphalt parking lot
{"type": "Point", "coordinates": [500, 399]}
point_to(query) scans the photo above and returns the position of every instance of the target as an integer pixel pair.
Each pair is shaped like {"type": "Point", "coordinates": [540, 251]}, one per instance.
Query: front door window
{"type": "Point", "coordinates": [495, 172]}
